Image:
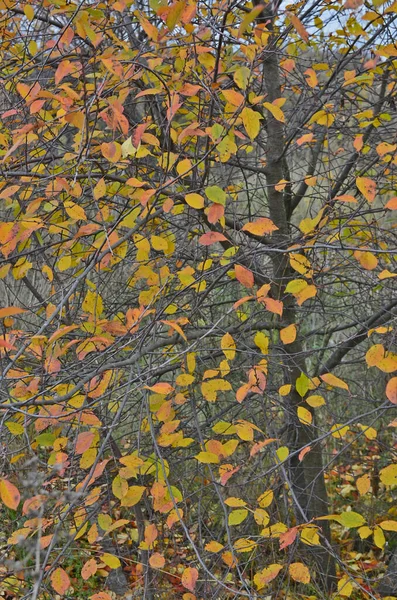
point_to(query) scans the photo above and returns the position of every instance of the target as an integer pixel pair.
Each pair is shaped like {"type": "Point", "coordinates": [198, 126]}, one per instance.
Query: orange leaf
{"type": "Point", "coordinates": [189, 578]}
{"type": "Point", "coordinates": [287, 538]}
{"type": "Point", "coordinates": [244, 276]}
{"type": "Point", "coordinates": [392, 204]}
{"type": "Point", "coordinates": [334, 381]}
{"type": "Point", "coordinates": [101, 596]}
{"type": "Point", "coordinates": [111, 151]}
{"type": "Point", "coordinates": [300, 28]}
{"type": "Point", "coordinates": [260, 226]}
{"type": "Point", "coordinates": [233, 97]}
{"type": "Point", "coordinates": [10, 311]}
{"type": "Point", "coordinates": [9, 494]}
{"type": "Point", "coordinates": [367, 187]}
{"type": "Point", "coordinates": [391, 390]}
{"type": "Point", "coordinates": [157, 561]}
{"type": "Point", "coordinates": [274, 306]}
{"type": "Point", "coordinates": [288, 334]}
{"type": "Point", "coordinates": [89, 569]}
{"type": "Point", "coordinates": [161, 388]}
{"type": "Point", "coordinates": [84, 441]}
{"type": "Point", "coordinates": [211, 238]}
{"type": "Point", "coordinates": [60, 581]}
{"type": "Point", "coordinates": [303, 452]}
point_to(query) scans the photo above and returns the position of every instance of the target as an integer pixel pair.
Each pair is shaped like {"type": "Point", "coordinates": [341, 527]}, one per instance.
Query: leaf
{"type": "Point", "coordinates": [234, 98]}
{"type": "Point", "coordinates": [315, 401]}
{"type": "Point", "coordinates": [60, 581]}
{"type": "Point", "coordinates": [252, 122]}
{"type": "Point", "coordinates": [275, 111]}
{"type": "Point", "coordinates": [110, 560]}
{"type": "Point", "coordinates": [391, 390]}
{"type": "Point", "coordinates": [157, 560]}
{"type": "Point", "coordinates": [11, 311]}
{"type": "Point", "coordinates": [211, 238]}
{"type": "Point", "coordinates": [266, 575]}
{"type": "Point", "coordinates": [392, 203]}
{"type": "Point", "coordinates": [262, 341]}
{"type": "Point", "coordinates": [133, 495]}
{"type": "Point", "coordinates": [9, 494]}
{"type": "Point", "coordinates": [101, 596]}
{"type": "Point", "coordinates": [287, 538]}
{"type": "Point", "coordinates": [345, 587]}
{"type": "Point", "coordinates": [216, 194]}
{"type": "Point", "coordinates": [334, 381]}
{"type": "Point", "coordinates": [244, 276]}
{"type": "Point", "coordinates": [300, 28]}
{"type": "Point", "coordinates": [367, 187]}
{"type": "Point", "coordinates": [388, 475]}
{"type": "Point", "coordinates": [304, 415]}
{"type": "Point", "coordinates": [235, 502]}
{"type": "Point", "coordinates": [237, 516]}
{"type": "Point", "coordinates": [111, 151]}
{"type": "Point", "coordinates": [162, 388]}
{"type": "Point", "coordinates": [214, 547]}
{"type": "Point", "coordinates": [350, 519]}
{"type": "Point", "coordinates": [363, 484]}
{"type": "Point", "coordinates": [89, 568]}
{"type": "Point", "coordinates": [299, 572]}
{"type": "Point", "coordinates": [288, 334]}
{"type": "Point", "coordinates": [388, 525]}
{"type": "Point", "coordinates": [195, 200]}
{"type": "Point", "coordinates": [241, 77]}
{"type": "Point", "coordinates": [260, 227]}
{"type": "Point", "coordinates": [207, 458]}
{"type": "Point", "coordinates": [366, 259]}
{"type": "Point", "coordinates": [189, 578]}
{"type": "Point", "coordinates": [228, 346]}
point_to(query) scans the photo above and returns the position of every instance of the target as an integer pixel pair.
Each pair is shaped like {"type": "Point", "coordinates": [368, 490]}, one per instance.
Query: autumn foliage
{"type": "Point", "coordinates": [198, 299]}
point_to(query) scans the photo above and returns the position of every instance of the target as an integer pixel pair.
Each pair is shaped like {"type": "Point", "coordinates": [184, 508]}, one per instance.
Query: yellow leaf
{"type": "Point", "coordinates": [367, 187]}
{"type": "Point", "coordinates": [195, 200]}
{"type": "Point", "coordinates": [299, 572]}
{"type": "Point", "coordinates": [282, 453]}
{"type": "Point", "coordinates": [304, 415]}
{"type": "Point", "coordinates": [345, 587]}
{"type": "Point", "coordinates": [244, 545]}
{"type": "Point", "coordinates": [111, 561]}
{"type": "Point", "coordinates": [275, 111]}
{"type": "Point", "coordinates": [207, 458]}
{"type": "Point", "coordinates": [379, 538]}
{"type": "Point", "coordinates": [237, 516]}
{"type": "Point", "coordinates": [265, 499]}
{"type": "Point", "coordinates": [15, 428]}
{"type": "Point", "coordinates": [133, 495]}
{"type": "Point", "coordinates": [251, 120]}
{"type": "Point", "coordinates": [288, 334]}
{"type": "Point", "coordinates": [75, 211]}
{"type": "Point", "coordinates": [241, 77]}
{"type": "Point", "coordinates": [158, 243]}
{"type": "Point", "coordinates": [235, 502]}
{"type": "Point", "coordinates": [311, 77]}
{"type": "Point", "coordinates": [301, 264]}
{"type": "Point", "coordinates": [309, 536]}
{"type": "Point", "coordinates": [315, 401]}
{"type": "Point", "coordinates": [262, 341]}
{"type": "Point", "coordinates": [339, 431]}
{"type": "Point", "coordinates": [388, 475]}
{"type": "Point", "coordinates": [389, 525]}
{"type": "Point", "coordinates": [363, 484]}
{"type": "Point", "coordinates": [228, 346]}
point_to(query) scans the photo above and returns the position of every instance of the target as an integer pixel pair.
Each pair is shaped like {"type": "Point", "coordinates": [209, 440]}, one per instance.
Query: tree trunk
{"type": "Point", "coordinates": [306, 477]}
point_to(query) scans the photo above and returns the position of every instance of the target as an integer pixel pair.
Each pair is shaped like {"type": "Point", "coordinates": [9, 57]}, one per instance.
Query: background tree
{"type": "Point", "coordinates": [198, 298]}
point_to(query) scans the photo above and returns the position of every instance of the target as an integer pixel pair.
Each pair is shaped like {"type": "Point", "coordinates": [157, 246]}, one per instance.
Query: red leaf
{"type": "Point", "coordinates": [211, 238]}
{"type": "Point", "coordinates": [189, 578]}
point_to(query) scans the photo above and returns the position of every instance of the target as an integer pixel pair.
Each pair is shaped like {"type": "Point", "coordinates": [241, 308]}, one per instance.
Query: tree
{"type": "Point", "coordinates": [198, 263]}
